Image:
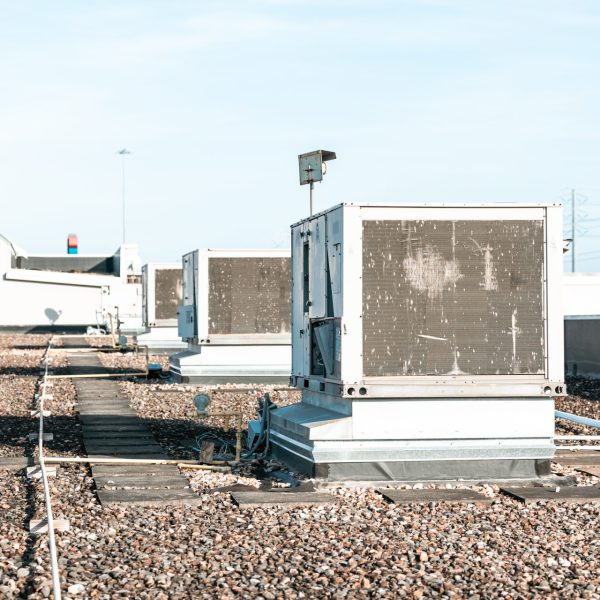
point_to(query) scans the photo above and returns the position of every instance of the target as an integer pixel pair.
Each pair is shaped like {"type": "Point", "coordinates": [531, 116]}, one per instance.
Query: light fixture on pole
{"type": "Point", "coordinates": [312, 168]}
{"type": "Point", "coordinates": [124, 152]}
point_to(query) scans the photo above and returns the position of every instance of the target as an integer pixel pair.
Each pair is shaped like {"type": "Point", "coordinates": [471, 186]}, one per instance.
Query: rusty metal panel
{"type": "Point", "coordinates": [249, 295]}
{"type": "Point", "coordinates": [453, 297]}
{"type": "Point", "coordinates": [167, 293]}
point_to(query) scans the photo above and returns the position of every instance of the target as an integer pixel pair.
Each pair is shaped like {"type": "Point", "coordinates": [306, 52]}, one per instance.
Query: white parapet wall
{"type": "Point", "coordinates": [69, 291]}
{"type": "Point", "coordinates": [581, 295]}
{"type": "Point", "coordinates": [581, 301]}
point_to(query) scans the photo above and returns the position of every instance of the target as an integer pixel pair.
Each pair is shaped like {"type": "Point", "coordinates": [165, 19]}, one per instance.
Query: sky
{"type": "Point", "coordinates": [422, 100]}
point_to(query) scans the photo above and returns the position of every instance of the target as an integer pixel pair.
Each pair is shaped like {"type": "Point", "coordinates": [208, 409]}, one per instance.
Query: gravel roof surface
{"type": "Point", "coordinates": [170, 409]}
{"type": "Point", "coordinates": [360, 547]}
{"type": "Point", "coordinates": [173, 417]}
{"type": "Point", "coordinates": [583, 400]}
{"type": "Point", "coordinates": [19, 378]}
{"type": "Point", "coordinates": [357, 547]}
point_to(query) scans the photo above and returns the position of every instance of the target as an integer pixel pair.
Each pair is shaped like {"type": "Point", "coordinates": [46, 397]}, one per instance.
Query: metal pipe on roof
{"type": "Point", "coordinates": [577, 419]}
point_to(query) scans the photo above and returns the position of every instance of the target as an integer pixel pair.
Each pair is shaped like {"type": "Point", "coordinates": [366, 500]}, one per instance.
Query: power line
{"type": "Point", "coordinates": [573, 230]}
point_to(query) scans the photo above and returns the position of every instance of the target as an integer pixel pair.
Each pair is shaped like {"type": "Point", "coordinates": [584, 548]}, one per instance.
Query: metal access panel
{"type": "Point", "coordinates": [161, 293]}
{"type": "Point", "coordinates": [432, 301]}
{"type": "Point", "coordinates": [189, 266]}
{"type": "Point", "coordinates": [186, 315]}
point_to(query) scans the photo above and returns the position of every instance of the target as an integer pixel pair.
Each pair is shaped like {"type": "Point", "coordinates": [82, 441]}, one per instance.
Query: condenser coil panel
{"type": "Point", "coordinates": [161, 294]}
{"type": "Point", "coordinates": [249, 295]}
{"type": "Point", "coordinates": [167, 293]}
{"type": "Point", "coordinates": [453, 297]}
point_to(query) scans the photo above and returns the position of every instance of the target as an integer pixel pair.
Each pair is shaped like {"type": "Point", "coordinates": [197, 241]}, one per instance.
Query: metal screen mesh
{"type": "Point", "coordinates": [167, 293]}
{"type": "Point", "coordinates": [249, 295]}
{"type": "Point", "coordinates": [452, 297]}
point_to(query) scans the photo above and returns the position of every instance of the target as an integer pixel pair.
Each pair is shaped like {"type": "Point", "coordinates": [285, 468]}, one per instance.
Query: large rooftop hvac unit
{"type": "Point", "coordinates": [427, 342]}
{"type": "Point", "coordinates": [235, 317]}
{"type": "Point", "coordinates": [161, 297]}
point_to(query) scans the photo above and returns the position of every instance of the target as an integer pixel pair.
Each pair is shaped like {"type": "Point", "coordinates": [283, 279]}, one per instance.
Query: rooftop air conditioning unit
{"type": "Point", "coordinates": [235, 317]}
{"type": "Point", "coordinates": [427, 342]}
{"type": "Point", "coordinates": [161, 297]}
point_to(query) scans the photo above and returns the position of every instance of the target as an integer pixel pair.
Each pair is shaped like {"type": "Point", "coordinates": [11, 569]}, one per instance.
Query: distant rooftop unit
{"type": "Point", "coordinates": [235, 316]}
{"type": "Point", "coordinates": [161, 298]}
{"type": "Point", "coordinates": [161, 293]}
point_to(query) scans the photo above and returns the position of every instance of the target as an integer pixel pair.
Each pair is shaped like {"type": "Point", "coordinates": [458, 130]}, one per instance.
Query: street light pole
{"type": "Point", "coordinates": [124, 152]}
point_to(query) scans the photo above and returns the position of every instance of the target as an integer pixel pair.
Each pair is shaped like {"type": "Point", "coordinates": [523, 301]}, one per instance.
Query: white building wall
{"type": "Point", "coordinates": [581, 300]}
{"type": "Point", "coordinates": [25, 303]}
{"type": "Point", "coordinates": [31, 298]}
{"type": "Point", "coordinates": [581, 294]}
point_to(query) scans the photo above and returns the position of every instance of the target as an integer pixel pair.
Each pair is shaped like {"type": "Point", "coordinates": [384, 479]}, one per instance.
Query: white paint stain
{"type": "Point", "coordinates": [515, 331]}
{"type": "Point", "coordinates": [489, 283]}
{"type": "Point", "coordinates": [432, 337]}
{"type": "Point", "coordinates": [429, 272]}
{"type": "Point", "coordinates": [456, 370]}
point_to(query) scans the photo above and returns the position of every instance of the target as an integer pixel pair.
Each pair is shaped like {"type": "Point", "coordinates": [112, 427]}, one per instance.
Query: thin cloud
{"type": "Point", "coordinates": [220, 29]}
{"type": "Point", "coordinates": [199, 32]}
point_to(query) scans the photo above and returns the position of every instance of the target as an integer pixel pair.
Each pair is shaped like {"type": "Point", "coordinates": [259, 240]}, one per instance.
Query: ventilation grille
{"type": "Point", "coordinates": [167, 293]}
{"type": "Point", "coordinates": [249, 295]}
{"type": "Point", "coordinates": [453, 297]}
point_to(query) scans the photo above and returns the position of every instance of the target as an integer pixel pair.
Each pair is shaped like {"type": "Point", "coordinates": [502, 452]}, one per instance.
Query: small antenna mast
{"type": "Point", "coordinates": [312, 168]}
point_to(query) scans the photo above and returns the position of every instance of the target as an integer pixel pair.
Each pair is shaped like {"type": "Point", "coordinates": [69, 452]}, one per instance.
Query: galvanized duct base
{"type": "Point", "coordinates": [162, 341]}
{"type": "Point", "coordinates": [415, 439]}
{"type": "Point", "coordinates": [425, 470]}
{"type": "Point", "coordinates": [232, 364]}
